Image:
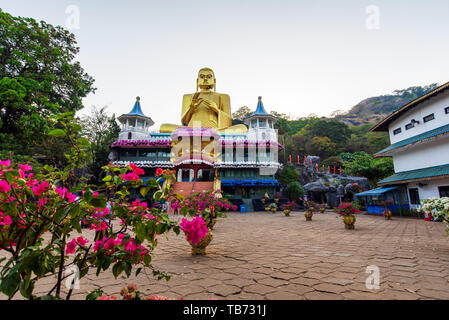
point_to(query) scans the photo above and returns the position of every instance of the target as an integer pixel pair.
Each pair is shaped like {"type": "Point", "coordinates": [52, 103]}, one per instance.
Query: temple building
{"type": "Point", "coordinates": [206, 151]}
{"type": "Point", "coordinates": [419, 135]}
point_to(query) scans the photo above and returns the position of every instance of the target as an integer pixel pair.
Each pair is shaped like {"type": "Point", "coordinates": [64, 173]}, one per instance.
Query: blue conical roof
{"type": "Point", "coordinates": [136, 112]}
{"type": "Point", "coordinates": [260, 111]}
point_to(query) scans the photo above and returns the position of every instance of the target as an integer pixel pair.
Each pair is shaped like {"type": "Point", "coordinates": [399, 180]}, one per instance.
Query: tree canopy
{"type": "Point", "coordinates": [101, 130]}
{"type": "Point", "coordinates": [39, 77]}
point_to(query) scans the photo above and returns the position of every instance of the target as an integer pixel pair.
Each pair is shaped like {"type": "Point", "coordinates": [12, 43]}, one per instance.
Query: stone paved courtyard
{"type": "Point", "coordinates": [270, 256]}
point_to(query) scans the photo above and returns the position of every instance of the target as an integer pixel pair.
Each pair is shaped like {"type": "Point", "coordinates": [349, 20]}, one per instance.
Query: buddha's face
{"type": "Point", "coordinates": [206, 79]}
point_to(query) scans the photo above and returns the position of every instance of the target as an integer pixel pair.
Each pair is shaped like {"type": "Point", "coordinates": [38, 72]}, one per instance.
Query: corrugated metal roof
{"type": "Point", "coordinates": [417, 174]}
{"type": "Point", "coordinates": [412, 140]}
{"type": "Point", "coordinates": [374, 192]}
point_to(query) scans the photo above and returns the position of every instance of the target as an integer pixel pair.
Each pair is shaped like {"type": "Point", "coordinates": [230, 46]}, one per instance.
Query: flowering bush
{"type": "Point", "coordinates": [357, 188]}
{"type": "Point", "coordinates": [291, 205]}
{"type": "Point", "coordinates": [436, 208]}
{"type": "Point", "coordinates": [346, 209]}
{"type": "Point", "coordinates": [310, 205]}
{"type": "Point", "coordinates": [209, 205]}
{"type": "Point", "coordinates": [195, 229]}
{"type": "Point", "coordinates": [277, 195]}
{"type": "Point", "coordinates": [204, 207]}
{"type": "Point", "coordinates": [41, 215]}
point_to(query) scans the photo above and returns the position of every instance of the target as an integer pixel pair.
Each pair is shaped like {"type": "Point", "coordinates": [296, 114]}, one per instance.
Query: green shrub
{"type": "Point", "coordinates": [294, 191]}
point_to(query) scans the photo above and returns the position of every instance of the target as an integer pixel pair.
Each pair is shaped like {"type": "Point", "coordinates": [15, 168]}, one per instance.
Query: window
{"type": "Point", "coordinates": [186, 175]}
{"type": "Point", "coordinates": [444, 191]}
{"type": "Point", "coordinates": [429, 117]}
{"type": "Point", "coordinates": [262, 123]}
{"type": "Point", "coordinates": [446, 110]}
{"type": "Point", "coordinates": [414, 196]}
{"type": "Point", "coordinates": [409, 126]}
{"type": "Point", "coordinates": [205, 175]}
{"type": "Point", "coordinates": [253, 123]}
{"type": "Point", "coordinates": [397, 131]}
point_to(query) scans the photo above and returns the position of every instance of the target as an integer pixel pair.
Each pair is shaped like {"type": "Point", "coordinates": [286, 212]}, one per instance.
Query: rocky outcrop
{"type": "Point", "coordinates": [327, 187]}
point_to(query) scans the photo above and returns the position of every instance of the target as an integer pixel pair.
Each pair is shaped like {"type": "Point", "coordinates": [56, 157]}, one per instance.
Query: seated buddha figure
{"type": "Point", "coordinates": [206, 108]}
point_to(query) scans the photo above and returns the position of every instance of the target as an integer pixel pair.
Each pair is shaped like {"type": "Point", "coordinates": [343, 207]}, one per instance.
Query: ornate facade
{"type": "Point", "coordinates": [241, 160]}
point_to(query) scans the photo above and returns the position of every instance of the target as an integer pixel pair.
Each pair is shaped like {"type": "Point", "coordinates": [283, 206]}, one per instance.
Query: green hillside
{"type": "Point", "coordinates": [375, 109]}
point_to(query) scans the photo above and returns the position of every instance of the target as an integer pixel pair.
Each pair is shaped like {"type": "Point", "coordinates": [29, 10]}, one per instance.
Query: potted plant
{"type": "Point", "coordinates": [273, 207]}
{"type": "Point", "coordinates": [323, 207]}
{"type": "Point", "coordinates": [267, 207]}
{"type": "Point", "coordinates": [387, 214]}
{"type": "Point", "coordinates": [197, 234]}
{"type": "Point", "coordinates": [265, 198]}
{"type": "Point", "coordinates": [309, 213]}
{"type": "Point", "coordinates": [311, 207]}
{"type": "Point", "coordinates": [347, 211]}
{"type": "Point", "coordinates": [288, 207]}
{"type": "Point", "coordinates": [276, 197]}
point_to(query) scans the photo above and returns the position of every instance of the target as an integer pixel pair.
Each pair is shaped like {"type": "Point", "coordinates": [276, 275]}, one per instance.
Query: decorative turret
{"type": "Point", "coordinates": [261, 124]}
{"type": "Point", "coordinates": [135, 124]}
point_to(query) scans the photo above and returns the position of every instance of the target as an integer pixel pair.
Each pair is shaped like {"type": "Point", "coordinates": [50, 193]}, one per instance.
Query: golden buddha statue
{"type": "Point", "coordinates": [206, 108]}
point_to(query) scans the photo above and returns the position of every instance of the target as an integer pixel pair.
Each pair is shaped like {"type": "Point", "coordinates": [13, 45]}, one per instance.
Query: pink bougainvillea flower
{"type": "Point", "coordinates": [82, 241]}
{"type": "Point", "coordinates": [159, 172]}
{"type": "Point", "coordinates": [4, 186]}
{"type": "Point", "coordinates": [130, 176]}
{"type": "Point", "coordinates": [71, 197]}
{"type": "Point", "coordinates": [25, 167]}
{"type": "Point", "coordinates": [40, 188]}
{"type": "Point", "coordinates": [61, 191]}
{"type": "Point", "coordinates": [95, 194]}
{"type": "Point", "coordinates": [6, 163]}
{"type": "Point", "coordinates": [41, 202]}
{"type": "Point", "coordinates": [195, 230]}
{"type": "Point", "coordinates": [5, 220]}
{"type": "Point", "coordinates": [71, 247]}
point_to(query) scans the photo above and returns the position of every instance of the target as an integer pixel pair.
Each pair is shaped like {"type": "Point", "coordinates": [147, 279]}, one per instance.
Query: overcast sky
{"type": "Point", "coordinates": [302, 57]}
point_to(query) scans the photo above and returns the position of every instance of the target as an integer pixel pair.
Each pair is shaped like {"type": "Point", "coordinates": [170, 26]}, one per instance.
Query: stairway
{"type": "Point", "coordinates": [202, 186]}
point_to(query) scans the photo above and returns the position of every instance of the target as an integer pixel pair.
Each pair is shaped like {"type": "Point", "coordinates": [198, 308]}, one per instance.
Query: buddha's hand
{"type": "Point", "coordinates": [196, 102]}
{"type": "Point", "coordinates": [211, 105]}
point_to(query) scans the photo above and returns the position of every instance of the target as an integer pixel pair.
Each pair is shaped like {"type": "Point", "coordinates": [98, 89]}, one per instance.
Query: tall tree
{"type": "Point", "coordinates": [241, 113]}
{"type": "Point", "coordinates": [363, 164]}
{"type": "Point", "coordinates": [101, 130]}
{"type": "Point", "coordinates": [39, 77]}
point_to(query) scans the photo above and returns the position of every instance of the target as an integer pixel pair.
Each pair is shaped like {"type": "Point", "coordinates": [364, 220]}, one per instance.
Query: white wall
{"type": "Point", "coordinates": [429, 154]}
{"type": "Point", "coordinates": [434, 105]}
{"type": "Point", "coordinates": [430, 189]}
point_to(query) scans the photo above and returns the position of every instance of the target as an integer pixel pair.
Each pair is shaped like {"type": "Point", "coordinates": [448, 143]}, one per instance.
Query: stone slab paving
{"type": "Point", "coordinates": [261, 255]}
